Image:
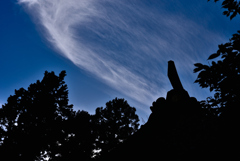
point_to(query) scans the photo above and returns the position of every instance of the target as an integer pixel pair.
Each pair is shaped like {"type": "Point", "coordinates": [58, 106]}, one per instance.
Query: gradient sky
{"type": "Point", "coordinates": [109, 48]}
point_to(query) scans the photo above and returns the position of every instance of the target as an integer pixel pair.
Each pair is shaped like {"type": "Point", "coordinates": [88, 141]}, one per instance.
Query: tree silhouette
{"type": "Point", "coordinates": [222, 77]}
{"type": "Point", "coordinates": [38, 124]}
{"type": "Point", "coordinates": [114, 124]}
{"type": "Point", "coordinates": [32, 121]}
{"type": "Point", "coordinates": [79, 144]}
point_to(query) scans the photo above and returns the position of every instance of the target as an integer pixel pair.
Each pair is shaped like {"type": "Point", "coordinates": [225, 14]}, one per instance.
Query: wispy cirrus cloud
{"type": "Point", "coordinates": [125, 44]}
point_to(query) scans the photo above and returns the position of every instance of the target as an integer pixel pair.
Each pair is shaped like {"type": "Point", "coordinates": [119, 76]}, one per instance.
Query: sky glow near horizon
{"type": "Point", "coordinates": [126, 44]}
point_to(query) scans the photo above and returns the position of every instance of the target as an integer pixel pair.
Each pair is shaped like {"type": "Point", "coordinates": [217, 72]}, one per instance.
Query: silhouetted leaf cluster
{"type": "Point", "coordinates": [232, 6]}
{"type": "Point", "coordinates": [222, 76]}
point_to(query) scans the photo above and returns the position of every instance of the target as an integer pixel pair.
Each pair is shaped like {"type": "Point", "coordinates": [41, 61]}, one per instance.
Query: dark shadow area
{"type": "Point", "coordinates": [181, 128]}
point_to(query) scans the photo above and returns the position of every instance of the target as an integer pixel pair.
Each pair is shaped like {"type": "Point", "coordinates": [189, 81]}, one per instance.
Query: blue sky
{"type": "Point", "coordinates": [109, 48]}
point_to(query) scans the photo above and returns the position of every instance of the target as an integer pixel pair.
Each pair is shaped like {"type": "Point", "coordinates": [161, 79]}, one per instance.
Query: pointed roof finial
{"type": "Point", "coordinates": [173, 76]}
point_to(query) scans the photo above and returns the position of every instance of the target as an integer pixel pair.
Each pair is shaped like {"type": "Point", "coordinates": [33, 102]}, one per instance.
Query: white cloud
{"type": "Point", "coordinates": [127, 46]}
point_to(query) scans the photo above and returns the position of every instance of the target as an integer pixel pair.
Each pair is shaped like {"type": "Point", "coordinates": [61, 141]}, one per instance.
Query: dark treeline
{"type": "Point", "coordinates": [38, 123]}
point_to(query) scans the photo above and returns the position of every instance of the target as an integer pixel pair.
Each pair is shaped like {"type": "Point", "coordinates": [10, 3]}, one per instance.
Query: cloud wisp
{"type": "Point", "coordinates": [124, 44]}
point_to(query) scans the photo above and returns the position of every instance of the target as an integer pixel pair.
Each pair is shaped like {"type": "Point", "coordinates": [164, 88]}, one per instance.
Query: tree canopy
{"type": "Point", "coordinates": [38, 123]}
{"type": "Point", "coordinates": [31, 121]}
{"type": "Point", "coordinates": [117, 121]}
{"type": "Point", "coordinates": [223, 75]}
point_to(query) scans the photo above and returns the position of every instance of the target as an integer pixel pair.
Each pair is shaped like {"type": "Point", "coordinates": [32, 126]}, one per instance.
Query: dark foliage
{"type": "Point", "coordinates": [114, 123]}
{"type": "Point", "coordinates": [32, 120]}
{"type": "Point", "coordinates": [223, 76]}
{"type": "Point", "coordinates": [79, 144]}
{"type": "Point", "coordinates": [232, 7]}
{"type": "Point", "coordinates": [38, 123]}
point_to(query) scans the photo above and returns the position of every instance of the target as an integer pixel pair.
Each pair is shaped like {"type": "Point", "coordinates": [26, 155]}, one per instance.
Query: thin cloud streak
{"type": "Point", "coordinates": [125, 45]}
